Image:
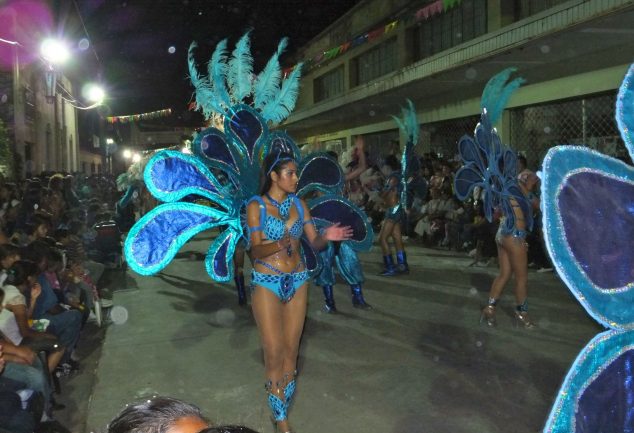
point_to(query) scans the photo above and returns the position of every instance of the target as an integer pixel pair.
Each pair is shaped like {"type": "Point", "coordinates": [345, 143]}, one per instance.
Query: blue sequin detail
{"type": "Point", "coordinates": [278, 407]}
{"type": "Point", "coordinates": [274, 228]}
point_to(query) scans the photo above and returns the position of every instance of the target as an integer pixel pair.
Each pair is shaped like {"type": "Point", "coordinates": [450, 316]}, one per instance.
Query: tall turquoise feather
{"type": "Point", "coordinates": [205, 100]}
{"type": "Point", "coordinates": [241, 70]}
{"type": "Point", "coordinates": [410, 127]}
{"type": "Point", "coordinates": [281, 106]}
{"type": "Point", "coordinates": [217, 70]}
{"type": "Point", "coordinates": [268, 81]}
{"type": "Point", "coordinates": [497, 93]}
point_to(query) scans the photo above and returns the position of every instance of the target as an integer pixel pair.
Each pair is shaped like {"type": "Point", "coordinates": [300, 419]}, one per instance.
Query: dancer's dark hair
{"type": "Point", "coordinates": [274, 161]}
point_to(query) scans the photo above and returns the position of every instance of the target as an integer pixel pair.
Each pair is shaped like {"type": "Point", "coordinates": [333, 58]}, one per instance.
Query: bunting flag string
{"type": "Point", "coordinates": [138, 117]}
{"type": "Point", "coordinates": [424, 13]}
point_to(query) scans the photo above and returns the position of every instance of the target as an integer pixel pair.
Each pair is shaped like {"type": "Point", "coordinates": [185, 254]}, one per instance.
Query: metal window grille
{"type": "Point", "coordinates": [328, 85]}
{"type": "Point", "coordinates": [526, 8]}
{"type": "Point", "coordinates": [460, 24]}
{"type": "Point", "coordinates": [585, 121]}
{"type": "Point", "coordinates": [376, 62]}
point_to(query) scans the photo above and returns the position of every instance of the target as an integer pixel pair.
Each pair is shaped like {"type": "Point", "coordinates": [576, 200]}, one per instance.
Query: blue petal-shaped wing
{"type": "Point", "coordinates": [312, 260]}
{"type": "Point", "coordinates": [470, 152]}
{"type": "Point", "coordinates": [219, 260]}
{"type": "Point", "coordinates": [319, 172]}
{"type": "Point", "coordinates": [597, 394]}
{"type": "Point", "coordinates": [467, 178]}
{"type": "Point", "coordinates": [588, 206]}
{"type": "Point", "coordinates": [156, 238]}
{"type": "Point", "coordinates": [280, 141]}
{"type": "Point", "coordinates": [247, 129]}
{"type": "Point", "coordinates": [508, 164]}
{"type": "Point", "coordinates": [171, 175]}
{"type": "Point", "coordinates": [328, 209]}
{"type": "Point", "coordinates": [212, 147]}
{"type": "Point", "coordinates": [625, 110]}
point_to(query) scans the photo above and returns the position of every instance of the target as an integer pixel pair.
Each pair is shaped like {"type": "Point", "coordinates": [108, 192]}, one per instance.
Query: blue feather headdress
{"type": "Point", "coordinates": [230, 82]}
{"type": "Point", "coordinates": [488, 163]}
{"type": "Point", "coordinates": [497, 93]}
{"type": "Point", "coordinates": [409, 163]}
{"type": "Point", "coordinates": [234, 153]}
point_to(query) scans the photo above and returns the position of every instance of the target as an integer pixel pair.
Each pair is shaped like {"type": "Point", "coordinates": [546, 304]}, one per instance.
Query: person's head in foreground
{"type": "Point", "coordinates": [159, 415]}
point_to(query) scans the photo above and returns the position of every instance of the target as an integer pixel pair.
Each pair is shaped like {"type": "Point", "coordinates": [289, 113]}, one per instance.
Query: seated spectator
{"type": "Point", "coordinates": [81, 271]}
{"type": "Point", "coordinates": [9, 254]}
{"type": "Point", "coordinates": [64, 323]}
{"type": "Point", "coordinates": [484, 236]}
{"type": "Point", "coordinates": [430, 227]}
{"type": "Point", "coordinates": [456, 218]}
{"type": "Point", "coordinates": [22, 365]}
{"type": "Point", "coordinates": [159, 415]}
{"type": "Point", "coordinates": [12, 417]}
{"type": "Point", "coordinates": [14, 315]}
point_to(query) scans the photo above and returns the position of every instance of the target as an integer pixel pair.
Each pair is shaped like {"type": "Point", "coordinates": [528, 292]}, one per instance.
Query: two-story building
{"type": "Point", "coordinates": [440, 54]}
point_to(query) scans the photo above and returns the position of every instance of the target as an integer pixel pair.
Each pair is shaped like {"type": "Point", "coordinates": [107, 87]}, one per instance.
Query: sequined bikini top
{"type": "Point", "coordinates": [275, 227]}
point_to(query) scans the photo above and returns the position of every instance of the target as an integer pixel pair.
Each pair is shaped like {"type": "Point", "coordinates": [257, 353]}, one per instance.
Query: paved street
{"type": "Point", "coordinates": [419, 362]}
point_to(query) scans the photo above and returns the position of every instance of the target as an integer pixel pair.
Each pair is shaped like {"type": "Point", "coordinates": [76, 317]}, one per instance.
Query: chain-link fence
{"type": "Point", "coordinates": [586, 121]}
{"type": "Point", "coordinates": [442, 138]}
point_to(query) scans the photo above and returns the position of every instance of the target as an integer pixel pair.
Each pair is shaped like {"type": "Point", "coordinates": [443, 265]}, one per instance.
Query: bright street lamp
{"type": "Point", "coordinates": [127, 154]}
{"type": "Point", "coordinates": [54, 51]}
{"type": "Point", "coordinates": [94, 93]}
{"type": "Point", "coordinates": [136, 157]}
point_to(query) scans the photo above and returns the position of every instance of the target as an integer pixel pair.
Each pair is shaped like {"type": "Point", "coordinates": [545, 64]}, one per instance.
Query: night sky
{"type": "Point", "coordinates": [132, 40]}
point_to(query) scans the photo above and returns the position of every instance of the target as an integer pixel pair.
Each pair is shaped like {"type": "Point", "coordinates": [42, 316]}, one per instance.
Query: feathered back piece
{"type": "Point", "coordinates": [588, 225]}
{"type": "Point", "coordinates": [497, 93]}
{"type": "Point", "coordinates": [230, 81]}
{"type": "Point", "coordinates": [410, 127]}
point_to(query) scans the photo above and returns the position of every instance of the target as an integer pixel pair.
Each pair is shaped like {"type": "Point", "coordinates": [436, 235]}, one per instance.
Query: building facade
{"type": "Point", "coordinates": [573, 55]}
{"type": "Point", "coordinates": [43, 134]}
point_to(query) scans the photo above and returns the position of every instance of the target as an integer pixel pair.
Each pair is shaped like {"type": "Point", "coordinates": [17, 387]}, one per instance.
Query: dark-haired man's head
{"type": "Point", "coordinates": [9, 254]}
{"type": "Point", "coordinates": [228, 429]}
{"type": "Point", "coordinates": [159, 415]}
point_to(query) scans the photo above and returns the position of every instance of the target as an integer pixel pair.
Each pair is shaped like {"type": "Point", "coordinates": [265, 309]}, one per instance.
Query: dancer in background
{"type": "Point", "coordinates": [342, 254]}
{"type": "Point", "coordinates": [493, 167]}
{"type": "Point", "coordinates": [395, 196]}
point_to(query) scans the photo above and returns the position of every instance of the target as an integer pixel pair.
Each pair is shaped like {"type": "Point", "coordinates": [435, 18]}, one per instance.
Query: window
{"type": "Point", "coordinates": [29, 105]}
{"type": "Point", "coordinates": [526, 8]}
{"type": "Point", "coordinates": [441, 32]}
{"type": "Point", "coordinates": [376, 62]}
{"type": "Point", "coordinates": [328, 85]}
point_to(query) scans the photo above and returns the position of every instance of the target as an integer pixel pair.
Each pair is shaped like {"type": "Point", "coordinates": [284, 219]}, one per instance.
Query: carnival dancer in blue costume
{"type": "Point", "coordinates": [277, 219]}
{"type": "Point", "coordinates": [493, 167]}
{"type": "Point", "coordinates": [342, 254]}
{"type": "Point", "coordinates": [589, 231]}
{"type": "Point", "coordinates": [242, 149]}
{"type": "Point", "coordinates": [395, 197]}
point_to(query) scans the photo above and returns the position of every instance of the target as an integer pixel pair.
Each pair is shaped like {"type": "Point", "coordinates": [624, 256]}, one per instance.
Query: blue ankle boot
{"type": "Point", "coordinates": [329, 300]}
{"type": "Point", "coordinates": [401, 262]}
{"type": "Point", "coordinates": [242, 293]}
{"type": "Point", "coordinates": [357, 297]}
{"type": "Point", "coordinates": [389, 269]}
